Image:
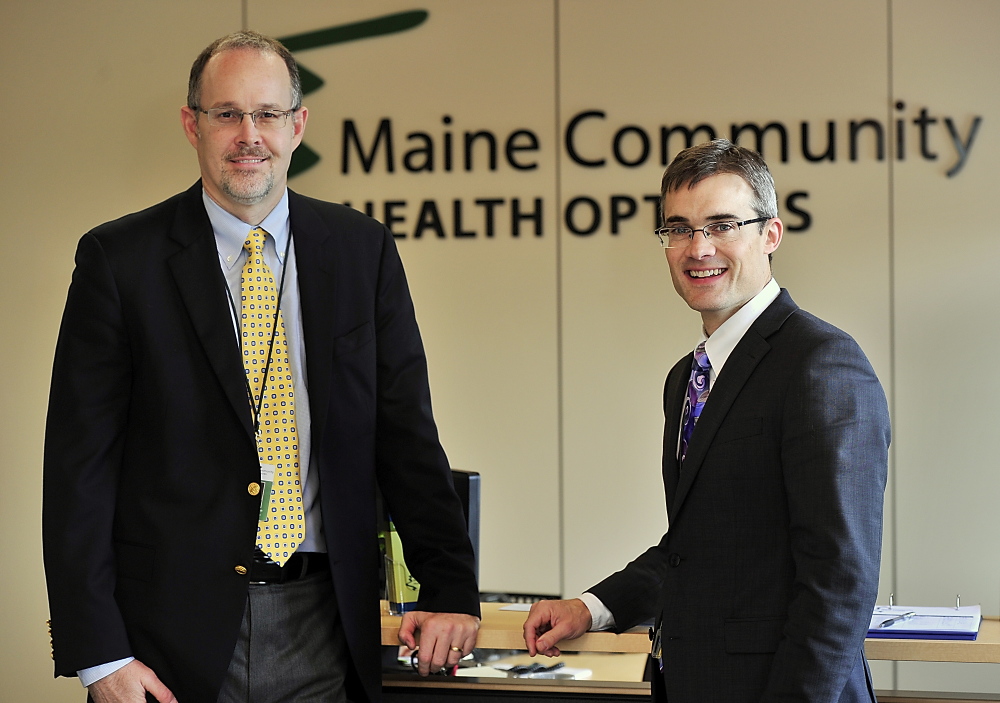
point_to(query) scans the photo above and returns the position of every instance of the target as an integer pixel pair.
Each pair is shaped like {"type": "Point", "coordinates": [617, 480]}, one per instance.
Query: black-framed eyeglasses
{"type": "Point", "coordinates": [674, 236]}
{"type": "Point", "coordinates": [264, 118]}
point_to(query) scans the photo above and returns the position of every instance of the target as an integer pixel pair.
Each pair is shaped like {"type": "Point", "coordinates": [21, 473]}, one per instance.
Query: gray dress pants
{"type": "Point", "coordinates": [291, 646]}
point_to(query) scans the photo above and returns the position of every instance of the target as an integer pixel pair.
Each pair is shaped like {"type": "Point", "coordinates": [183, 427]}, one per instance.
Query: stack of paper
{"type": "Point", "coordinates": [901, 622]}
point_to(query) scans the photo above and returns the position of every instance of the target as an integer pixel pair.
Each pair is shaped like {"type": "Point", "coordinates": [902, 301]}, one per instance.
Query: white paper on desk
{"type": "Point", "coordinates": [520, 607]}
{"type": "Point", "coordinates": [481, 671]}
{"type": "Point", "coordinates": [927, 620]}
{"type": "Point", "coordinates": [565, 672]}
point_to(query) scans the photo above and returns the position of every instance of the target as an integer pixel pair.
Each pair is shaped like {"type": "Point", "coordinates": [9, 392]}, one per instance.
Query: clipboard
{"type": "Point", "coordinates": [925, 623]}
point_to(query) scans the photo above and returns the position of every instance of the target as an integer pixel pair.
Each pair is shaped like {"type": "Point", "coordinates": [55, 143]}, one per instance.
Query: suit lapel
{"type": "Point", "coordinates": [195, 267]}
{"type": "Point", "coordinates": [673, 405]}
{"type": "Point", "coordinates": [748, 353]}
{"type": "Point", "coordinates": [317, 300]}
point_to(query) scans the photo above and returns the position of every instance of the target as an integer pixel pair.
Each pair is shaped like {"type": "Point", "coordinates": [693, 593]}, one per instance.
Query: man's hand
{"type": "Point", "coordinates": [551, 621]}
{"type": "Point", "coordinates": [444, 638]}
{"type": "Point", "coordinates": [129, 685]}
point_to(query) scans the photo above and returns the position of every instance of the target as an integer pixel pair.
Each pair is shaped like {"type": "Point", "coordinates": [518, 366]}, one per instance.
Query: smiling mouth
{"type": "Point", "coordinates": [706, 273]}
{"type": "Point", "coordinates": [247, 157]}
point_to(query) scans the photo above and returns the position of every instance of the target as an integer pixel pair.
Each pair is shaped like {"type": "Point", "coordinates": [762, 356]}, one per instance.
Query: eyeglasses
{"type": "Point", "coordinates": [262, 119]}
{"type": "Point", "coordinates": [674, 236]}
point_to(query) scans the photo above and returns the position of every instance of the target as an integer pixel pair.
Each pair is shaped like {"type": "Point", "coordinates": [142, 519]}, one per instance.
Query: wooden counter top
{"type": "Point", "coordinates": [984, 649]}
{"type": "Point", "coordinates": [501, 629]}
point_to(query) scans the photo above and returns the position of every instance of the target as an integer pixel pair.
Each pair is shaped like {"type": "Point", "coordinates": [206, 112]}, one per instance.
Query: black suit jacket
{"type": "Point", "coordinates": [149, 445]}
{"type": "Point", "coordinates": [765, 580]}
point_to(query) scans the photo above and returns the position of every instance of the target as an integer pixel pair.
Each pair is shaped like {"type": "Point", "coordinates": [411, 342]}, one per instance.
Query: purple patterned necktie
{"type": "Point", "coordinates": [697, 394]}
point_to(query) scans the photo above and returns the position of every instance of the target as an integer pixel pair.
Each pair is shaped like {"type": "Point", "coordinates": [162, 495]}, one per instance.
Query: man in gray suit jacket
{"type": "Point", "coordinates": [774, 466]}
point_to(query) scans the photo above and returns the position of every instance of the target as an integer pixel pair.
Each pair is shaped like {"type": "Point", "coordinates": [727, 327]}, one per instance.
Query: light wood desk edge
{"type": "Point", "coordinates": [502, 629]}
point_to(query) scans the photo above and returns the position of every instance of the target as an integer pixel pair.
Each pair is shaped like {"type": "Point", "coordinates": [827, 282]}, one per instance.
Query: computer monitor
{"type": "Point", "coordinates": [467, 485]}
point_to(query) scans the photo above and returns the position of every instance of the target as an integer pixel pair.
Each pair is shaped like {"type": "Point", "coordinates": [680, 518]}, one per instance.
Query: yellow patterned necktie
{"type": "Point", "coordinates": [269, 376]}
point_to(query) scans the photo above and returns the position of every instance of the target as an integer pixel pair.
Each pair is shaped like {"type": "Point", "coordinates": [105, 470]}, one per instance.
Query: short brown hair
{"type": "Point", "coordinates": [246, 39]}
{"type": "Point", "coordinates": [698, 162]}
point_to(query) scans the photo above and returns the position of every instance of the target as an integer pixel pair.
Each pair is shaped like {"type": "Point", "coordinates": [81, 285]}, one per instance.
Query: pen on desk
{"type": "Point", "coordinates": [898, 618]}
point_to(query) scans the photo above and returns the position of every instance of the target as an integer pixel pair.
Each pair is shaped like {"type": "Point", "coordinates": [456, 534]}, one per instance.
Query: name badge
{"type": "Point", "coordinates": [267, 479]}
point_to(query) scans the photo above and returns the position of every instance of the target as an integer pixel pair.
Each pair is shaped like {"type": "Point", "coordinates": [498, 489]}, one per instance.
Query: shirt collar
{"type": "Point", "coordinates": [231, 231]}
{"type": "Point", "coordinates": [722, 342]}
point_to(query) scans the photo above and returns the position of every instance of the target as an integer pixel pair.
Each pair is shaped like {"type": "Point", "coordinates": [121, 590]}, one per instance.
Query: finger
{"type": "Point", "coordinates": [163, 694]}
{"type": "Point", "coordinates": [428, 659]}
{"type": "Point", "coordinates": [469, 643]}
{"type": "Point", "coordinates": [535, 626]}
{"type": "Point", "coordinates": [160, 692]}
{"type": "Point", "coordinates": [547, 649]}
{"type": "Point", "coordinates": [407, 630]}
{"type": "Point", "coordinates": [546, 644]}
{"type": "Point", "coordinates": [465, 636]}
{"type": "Point", "coordinates": [551, 622]}
{"type": "Point", "coordinates": [442, 652]}
{"type": "Point", "coordinates": [455, 654]}
{"type": "Point", "coordinates": [425, 653]}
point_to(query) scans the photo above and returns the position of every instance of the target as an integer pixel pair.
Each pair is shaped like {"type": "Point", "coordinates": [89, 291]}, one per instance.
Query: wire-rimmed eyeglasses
{"type": "Point", "coordinates": [674, 236]}
{"type": "Point", "coordinates": [265, 118]}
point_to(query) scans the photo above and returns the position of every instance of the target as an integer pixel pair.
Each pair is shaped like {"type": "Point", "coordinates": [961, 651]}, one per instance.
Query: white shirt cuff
{"type": "Point", "coordinates": [96, 673]}
{"type": "Point", "coordinates": [601, 617]}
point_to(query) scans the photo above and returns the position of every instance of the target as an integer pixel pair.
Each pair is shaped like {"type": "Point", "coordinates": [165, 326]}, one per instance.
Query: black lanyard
{"type": "Point", "coordinates": [256, 407]}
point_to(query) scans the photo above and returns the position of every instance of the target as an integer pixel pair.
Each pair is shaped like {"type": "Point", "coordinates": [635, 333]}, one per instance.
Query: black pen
{"type": "Point", "coordinates": [898, 618]}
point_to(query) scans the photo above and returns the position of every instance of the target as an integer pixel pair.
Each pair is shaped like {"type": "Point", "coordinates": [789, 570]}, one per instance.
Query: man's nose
{"type": "Point", "coordinates": [700, 245]}
{"type": "Point", "coordinates": [248, 132]}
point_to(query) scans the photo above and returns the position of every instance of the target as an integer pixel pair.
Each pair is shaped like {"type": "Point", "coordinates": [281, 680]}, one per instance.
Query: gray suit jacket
{"type": "Point", "coordinates": [765, 581]}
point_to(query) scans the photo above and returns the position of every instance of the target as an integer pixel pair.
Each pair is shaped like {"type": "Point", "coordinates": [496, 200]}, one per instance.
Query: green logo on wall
{"type": "Point", "coordinates": [305, 158]}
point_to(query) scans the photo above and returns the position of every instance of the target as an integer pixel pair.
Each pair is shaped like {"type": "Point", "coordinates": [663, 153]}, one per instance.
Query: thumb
{"type": "Point", "coordinates": [407, 629]}
{"type": "Point", "coordinates": [151, 682]}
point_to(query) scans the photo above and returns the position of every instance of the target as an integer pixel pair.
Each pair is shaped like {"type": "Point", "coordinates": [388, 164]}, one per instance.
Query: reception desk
{"type": "Point", "coordinates": [502, 629]}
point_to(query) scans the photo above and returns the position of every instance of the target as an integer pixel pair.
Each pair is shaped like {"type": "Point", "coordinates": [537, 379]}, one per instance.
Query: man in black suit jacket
{"type": "Point", "coordinates": [152, 484]}
{"type": "Point", "coordinates": [764, 583]}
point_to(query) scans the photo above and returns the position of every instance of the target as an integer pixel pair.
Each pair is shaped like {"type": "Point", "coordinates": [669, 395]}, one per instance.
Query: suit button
{"type": "Point", "coordinates": [241, 570]}
{"type": "Point", "coordinates": [674, 560]}
{"type": "Point", "coordinates": [253, 489]}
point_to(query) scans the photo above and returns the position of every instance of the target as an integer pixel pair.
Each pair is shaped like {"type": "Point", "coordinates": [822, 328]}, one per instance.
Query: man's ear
{"type": "Point", "coordinates": [773, 234]}
{"type": "Point", "coordinates": [189, 121]}
{"type": "Point", "coordinates": [299, 125]}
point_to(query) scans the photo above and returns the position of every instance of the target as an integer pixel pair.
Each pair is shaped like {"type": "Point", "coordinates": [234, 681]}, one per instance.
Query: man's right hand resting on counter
{"type": "Point", "coordinates": [552, 621]}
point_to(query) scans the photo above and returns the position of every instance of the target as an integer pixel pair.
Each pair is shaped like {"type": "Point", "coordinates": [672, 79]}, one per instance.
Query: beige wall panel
{"type": "Point", "coordinates": [521, 331]}
{"type": "Point", "coordinates": [948, 300]}
{"type": "Point", "coordinates": [651, 64]}
{"type": "Point", "coordinates": [486, 305]}
{"type": "Point", "coordinates": [96, 134]}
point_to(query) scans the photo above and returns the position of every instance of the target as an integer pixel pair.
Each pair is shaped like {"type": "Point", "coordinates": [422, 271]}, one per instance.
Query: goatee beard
{"type": "Point", "coordinates": [247, 188]}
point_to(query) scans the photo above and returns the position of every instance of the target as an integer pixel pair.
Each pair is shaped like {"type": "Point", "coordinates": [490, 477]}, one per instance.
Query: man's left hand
{"type": "Point", "coordinates": [444, 638]}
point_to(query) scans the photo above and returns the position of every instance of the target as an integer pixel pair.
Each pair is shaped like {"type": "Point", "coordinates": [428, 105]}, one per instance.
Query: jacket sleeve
{"type": "Point", "coordinates": [633, 594]}
{"type": "Point", "coordinates": [413, 471]}
{"type": "Point", "coordinates": [834, 456]}
{"type": "Point", "coordinates": [84, 438]}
